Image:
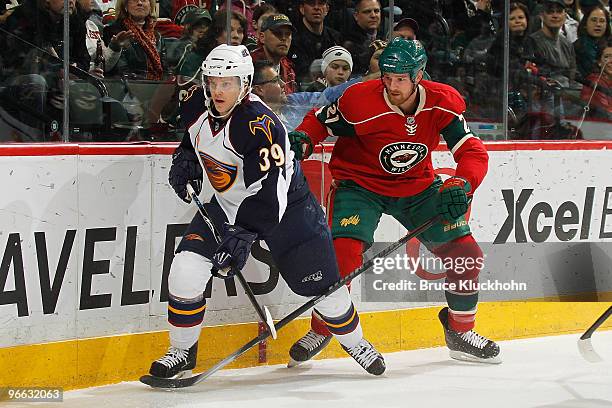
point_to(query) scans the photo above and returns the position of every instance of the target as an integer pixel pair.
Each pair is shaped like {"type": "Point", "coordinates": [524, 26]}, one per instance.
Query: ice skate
{"type": "Point", "coordinates": [307, 347]}
{"type": "Point", "coordinates": [367, 357]}
{"type": "Point", "coordinates": [177, 363]}
{"type": "Point", "coordinates": [469, 346]}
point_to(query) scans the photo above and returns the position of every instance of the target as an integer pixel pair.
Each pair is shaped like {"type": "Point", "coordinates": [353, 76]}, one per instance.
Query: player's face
{"type": "Point", "coordinates": [337, 72]}
{"type": "Point", "coordinates": [224, 92]}
{"type": "Point", "coordinates": [399, 87]}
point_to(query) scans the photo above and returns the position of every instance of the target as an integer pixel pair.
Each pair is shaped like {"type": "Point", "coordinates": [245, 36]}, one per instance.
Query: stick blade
{"type": "Point", "coordinates": [588, 352]}
{"type": "Point", "coordinates": [270, 323]}
{"type": "Point", "coordinates": [168, 383]}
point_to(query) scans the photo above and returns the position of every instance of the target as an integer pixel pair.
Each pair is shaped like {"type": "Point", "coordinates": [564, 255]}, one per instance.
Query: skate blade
{"type": "Point", "coordinates": [461, 356]}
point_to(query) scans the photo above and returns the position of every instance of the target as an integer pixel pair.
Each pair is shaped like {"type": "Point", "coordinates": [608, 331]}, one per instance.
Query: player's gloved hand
{"type": "Point", "coordinates": [185, 169]}
{"type": "Point", "coordinates": [233, 251]}
{"type": "Point", "coordinates": [454, 201]}
{"type": "Point", "coordinates": [300, 144]}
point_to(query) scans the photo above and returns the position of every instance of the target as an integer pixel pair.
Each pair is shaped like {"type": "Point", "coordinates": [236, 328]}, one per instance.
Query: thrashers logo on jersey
{"type": "Point", "coordinates": [221, 175]}
{"type": "Point", "coordinates": [263, 123]}
{"type": "Point", "coordinates": [399, 157]}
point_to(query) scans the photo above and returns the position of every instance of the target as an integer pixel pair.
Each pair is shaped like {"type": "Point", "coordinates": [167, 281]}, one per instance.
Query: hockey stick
{"type": "Point", "coordinates": [157, 382]}
{"type": "Point", "coordinates": [584, 342]}
{"type": "Point", "coordinates": [264, 314]}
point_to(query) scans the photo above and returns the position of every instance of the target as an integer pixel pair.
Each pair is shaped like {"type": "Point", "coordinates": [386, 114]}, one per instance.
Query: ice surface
{"type": "Point", "coordinates": [539, 372]}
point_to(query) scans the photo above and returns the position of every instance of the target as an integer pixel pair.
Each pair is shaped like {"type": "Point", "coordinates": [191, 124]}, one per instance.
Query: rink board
{"type": "Point", "coordinates": [88, 232]}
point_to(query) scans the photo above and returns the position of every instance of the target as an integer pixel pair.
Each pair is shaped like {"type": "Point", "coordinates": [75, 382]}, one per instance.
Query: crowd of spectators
{"type": "Point", "coordinates": [312, 49]}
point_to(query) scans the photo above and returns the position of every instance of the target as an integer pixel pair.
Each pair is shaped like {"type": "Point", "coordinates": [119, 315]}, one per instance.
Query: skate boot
{"type": "Point", "coordinates": [176, 363]}
{"type": "Point", "coordinates": [307, 347]}
{"type": "Point", "coordinates": [469, 346]}
{"type": "Point", "coordinates": [367, 357]}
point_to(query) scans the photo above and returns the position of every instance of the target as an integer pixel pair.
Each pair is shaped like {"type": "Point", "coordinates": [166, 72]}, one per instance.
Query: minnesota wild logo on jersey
{"type": "Point", "coordinates": [398, 158]}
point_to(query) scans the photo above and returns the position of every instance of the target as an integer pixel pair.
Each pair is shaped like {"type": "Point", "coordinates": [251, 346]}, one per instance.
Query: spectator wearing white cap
{"type": "Point", "coordinates": [337, 65]}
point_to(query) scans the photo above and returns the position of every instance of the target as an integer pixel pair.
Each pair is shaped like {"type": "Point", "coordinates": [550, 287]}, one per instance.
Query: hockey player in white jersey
{"type": "Point", "coordinates": [259, 193]}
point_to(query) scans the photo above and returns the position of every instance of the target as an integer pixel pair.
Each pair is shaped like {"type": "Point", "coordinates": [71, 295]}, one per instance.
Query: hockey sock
{"type": "Point", "coordinates": [341, 318]}
{"type": "Point", "coordinates": [465, 259]}
{"type": "Point", "coordinates": [349, 255]}
{"type": "Point", "coordinates": [185, 317]}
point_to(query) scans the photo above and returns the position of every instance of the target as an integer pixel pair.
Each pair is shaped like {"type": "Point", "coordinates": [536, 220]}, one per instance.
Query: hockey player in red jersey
{"type": "Point", "coordinates": [381, 163]}
{"type": "Point", "coordinates": [259, 193]}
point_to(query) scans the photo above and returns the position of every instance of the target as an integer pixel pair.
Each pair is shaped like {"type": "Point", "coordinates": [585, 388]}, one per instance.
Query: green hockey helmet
{"type": "Point", "coordinates": [403, 56]}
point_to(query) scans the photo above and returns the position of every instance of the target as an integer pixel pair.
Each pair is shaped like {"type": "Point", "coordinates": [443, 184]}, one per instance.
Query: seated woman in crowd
{"type": "Point", "coordinates": [216, 35]}
{"type": "Point", "coordinates": [518, 23]}
{"type": "Point", "coordinates": [601, 99]}
{"type": "Point", "coordinates": [195, 27]}
{"type": "Point", "coordinates": [141, 56]}
{"type": "Point", "coordinates": [593, 32]}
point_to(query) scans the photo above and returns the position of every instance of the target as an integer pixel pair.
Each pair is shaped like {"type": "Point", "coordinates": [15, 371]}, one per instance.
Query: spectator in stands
{"type": "Point", "coordinates": [406, 28]}
{"type": "Point", "coordinates": [216, 35]}
{"type": "Point", "coordinates": [336, 67]}
{"type": "Point", "coordinates": [593, 33]}
{"type": "Point", "coordinates": [41, 22]}
{"type": "Point", "coordinates": [374, 50]}
{"type": "Point", "coordinates": [312, 36]}
{"type": "Point", "coordinates": [275, 39]}
{"type": "Point", "coordinates": [141, 58]}
{"type": "Point", "coordinates": [601, 99]}
{"type": "Point", "coordinates": [33, 77]}
{"type": "Point", "coordinates": [245, 8]}
{"type": "Point", "coordinates": [362, 32]}
{"type": "Point", "coordinates": [260, 13]}
{"type": "Point", "coordinates": [553, 54]}
{"type": "Point", "coordinates": [110, 56]}
{"type": "Point", "coordinates": [196, 24]}
{"type": "Point", "coordinates": [290, 108]}
{"type": "Point", "coordinates": [585, 5]}
{"type": "Point", "coordinates": [572, 19]}
{"type": "Point", "coordinates": [518, 23]}
{"type": "Point", "coordinates": [572, 8]}
{"type": "Point", "coordinates": [477, 19]}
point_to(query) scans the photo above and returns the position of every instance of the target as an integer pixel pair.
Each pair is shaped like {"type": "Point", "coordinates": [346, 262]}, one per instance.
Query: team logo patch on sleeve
{"type": "Point", "coordinates": [263, 123]}
{"type": "Point", "coordinates": [221, 175]}
{"type": "Point", "coordinates": [398, 158]}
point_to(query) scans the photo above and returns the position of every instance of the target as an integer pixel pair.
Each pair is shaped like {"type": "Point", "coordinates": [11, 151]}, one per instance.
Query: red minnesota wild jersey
{"type": "Point", "coordinates": [389, 152]}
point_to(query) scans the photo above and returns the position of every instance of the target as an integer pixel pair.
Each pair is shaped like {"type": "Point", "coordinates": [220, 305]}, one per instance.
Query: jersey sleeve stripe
{"type": "Point", "coordinates": [461, 142]}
